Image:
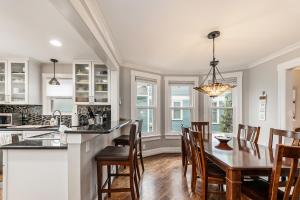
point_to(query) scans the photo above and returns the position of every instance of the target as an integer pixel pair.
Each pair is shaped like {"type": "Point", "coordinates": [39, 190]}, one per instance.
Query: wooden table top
{"type": "Point", "coordinates": [241, 155]}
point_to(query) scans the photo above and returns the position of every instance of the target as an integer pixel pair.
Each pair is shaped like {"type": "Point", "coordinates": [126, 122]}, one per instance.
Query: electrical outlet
{"type": "Point", "coordinates": [87, 146]}
{"type": "Point", "coordinates": [144, 146]}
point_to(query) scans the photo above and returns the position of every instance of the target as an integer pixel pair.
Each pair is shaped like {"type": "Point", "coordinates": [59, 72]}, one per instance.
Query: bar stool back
{"type": "Point", "coordinates": [123, 140]}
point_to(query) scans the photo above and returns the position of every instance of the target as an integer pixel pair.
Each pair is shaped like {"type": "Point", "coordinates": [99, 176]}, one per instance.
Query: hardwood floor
{"type": "Point", "coordinates": [163, 180]}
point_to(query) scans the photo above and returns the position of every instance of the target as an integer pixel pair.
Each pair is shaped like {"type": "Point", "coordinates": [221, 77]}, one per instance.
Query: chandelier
{"type": "Point", "coordinates": [214, 87]}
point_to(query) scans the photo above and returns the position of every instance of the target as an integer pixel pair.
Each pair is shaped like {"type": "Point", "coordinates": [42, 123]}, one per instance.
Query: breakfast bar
{"type": "Point", "coordinates": [63, 162]}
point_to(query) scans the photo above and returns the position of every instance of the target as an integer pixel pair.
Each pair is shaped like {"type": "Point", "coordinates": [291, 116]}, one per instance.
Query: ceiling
{"type": "Point", "coordinates": [169, 36]}
{"type": "Point", "coordinates": [27, 26]}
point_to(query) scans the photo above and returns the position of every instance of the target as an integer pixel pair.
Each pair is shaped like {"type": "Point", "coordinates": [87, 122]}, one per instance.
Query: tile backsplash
{"type": "Point", "coordinates": [34, 113]}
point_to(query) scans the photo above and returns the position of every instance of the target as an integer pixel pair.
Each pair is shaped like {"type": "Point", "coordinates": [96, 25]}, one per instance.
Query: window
{"type": "Point", "coordinates": [145, 104]}
{"type": "Point", "coordinates": [222, 113]}
{"type": "Point", "coordinates": [145, 95]}
{"type": "Point", "coordinates": [225, 111]}
{"type": "Point", "coordinates": [181, 103]}
{"type": "Point", "coordinates": [58, 97]}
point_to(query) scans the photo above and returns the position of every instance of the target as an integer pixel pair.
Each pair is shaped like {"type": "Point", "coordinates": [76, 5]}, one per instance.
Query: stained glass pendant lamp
{"type": "Point", "coordinates": [215, 87]}
{"type": "Point", "coordinates": [53, 80]}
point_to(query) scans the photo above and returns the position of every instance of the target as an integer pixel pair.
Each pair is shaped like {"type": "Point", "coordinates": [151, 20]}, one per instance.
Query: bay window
{"type": "Point", "coordinates": [180, 102]}
{"type": "Point", "coordinates": [225, 111]}
{"type": "Point", "coordinates": [145, 101]}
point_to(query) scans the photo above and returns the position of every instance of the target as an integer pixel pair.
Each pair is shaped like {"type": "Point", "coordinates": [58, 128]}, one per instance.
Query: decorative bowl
{"type": "Point", "coordinates": [223, 139]}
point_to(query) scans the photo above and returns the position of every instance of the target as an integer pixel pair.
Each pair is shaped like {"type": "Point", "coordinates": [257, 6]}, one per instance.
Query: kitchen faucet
{"type": "Point", "coordinates": [53, 115]}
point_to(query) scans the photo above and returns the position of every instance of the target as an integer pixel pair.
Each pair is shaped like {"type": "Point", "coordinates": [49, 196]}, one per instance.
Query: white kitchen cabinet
{"type": "Point", "coordinates": [3, 81]}
{"type": "Point", "coordinates": [91, 83]}
{"type": "Point", "coordinates": [19, 82]}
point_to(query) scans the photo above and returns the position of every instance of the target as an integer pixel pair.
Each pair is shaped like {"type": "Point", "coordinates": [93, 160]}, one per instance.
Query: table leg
{"type": "Point", "coordinates": [233, 184]}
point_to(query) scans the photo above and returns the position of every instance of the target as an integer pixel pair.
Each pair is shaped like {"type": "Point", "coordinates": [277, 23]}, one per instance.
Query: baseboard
{"type": "Point", "coordinates": [152, 152]}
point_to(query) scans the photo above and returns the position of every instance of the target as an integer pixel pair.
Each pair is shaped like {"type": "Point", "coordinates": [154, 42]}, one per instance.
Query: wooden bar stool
{"type": "Point", "coordinates": [126, 156]}
{"type": "Point", "coordinates": [123, 140]}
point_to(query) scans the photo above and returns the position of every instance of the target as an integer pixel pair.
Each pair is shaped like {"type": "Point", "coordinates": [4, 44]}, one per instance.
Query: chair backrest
{"type": "Point", "coordinates": [132, 140]}
{"type": "Point", "coordinates": [187, 143]}
{"type": "Point", "coordinates": [202, 127]}
{"type": "Point", "coordinates": [284, 134]}
{"type": "Point", "coordinates": [198, 153]}
{"type": "Point", "coordinates": [287, 152]}
{"type": "Point", "coordinates": [250, 133]}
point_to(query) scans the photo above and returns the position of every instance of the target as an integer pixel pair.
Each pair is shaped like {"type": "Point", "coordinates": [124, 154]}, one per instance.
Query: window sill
{"type": "Point", "coordinates": [170, 136]}
{"type": "Point", "coordinates": [151, 138]}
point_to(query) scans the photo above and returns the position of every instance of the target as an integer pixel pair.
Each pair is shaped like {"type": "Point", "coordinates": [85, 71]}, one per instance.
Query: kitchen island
{"type": "Point", "coordinates": [63, 162]}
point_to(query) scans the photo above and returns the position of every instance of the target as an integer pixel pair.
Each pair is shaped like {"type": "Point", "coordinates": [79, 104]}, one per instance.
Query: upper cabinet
{"type": "Point", "coordinates": [3, 81]}
{"type": "Point", "coordinates": [19, 82]}
{"type": "Point", "coordinates": [91, 83]}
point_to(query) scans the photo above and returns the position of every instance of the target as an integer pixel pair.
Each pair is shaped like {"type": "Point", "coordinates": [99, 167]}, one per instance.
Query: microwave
{"type": "Point", "coordinates": [6, 119]}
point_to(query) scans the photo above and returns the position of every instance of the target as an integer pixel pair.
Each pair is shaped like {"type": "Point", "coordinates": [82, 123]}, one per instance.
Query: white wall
{"type": "Point", "coordinates": [59, 68]}
{"type": "Point", "coordinates": [258, 79]}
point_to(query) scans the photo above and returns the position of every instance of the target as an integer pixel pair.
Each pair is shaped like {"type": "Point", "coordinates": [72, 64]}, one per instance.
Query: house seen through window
{"type": "Point", "coordinates": [181, 106]}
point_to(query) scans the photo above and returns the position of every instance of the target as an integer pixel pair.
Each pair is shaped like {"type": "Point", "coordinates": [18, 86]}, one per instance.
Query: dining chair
{"type": "Point", "coordinates": [250, 133]}
{"type": "Point", "coordinates": [257, 189]}
{"type": "Point", "coordinates": [297, 129]}
{"type": "Point", "coordinates": [209, 173]}
{"type": "Point", "coordinates": [202, 127]}
{"type": "Point", "coordinates": [284, 134]}
{"type": "Point", "coordinates": [187, 149]}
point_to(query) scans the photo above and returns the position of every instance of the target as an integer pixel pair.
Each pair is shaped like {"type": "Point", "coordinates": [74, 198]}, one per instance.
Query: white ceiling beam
{"type": "Point", "coordinates": [83, 17]}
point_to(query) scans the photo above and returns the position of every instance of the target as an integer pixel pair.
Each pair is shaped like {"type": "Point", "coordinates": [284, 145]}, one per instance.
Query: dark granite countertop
{"type": "Point", "coordinates": [52, 140]}
{"type": "Point", "coordinates": [45, 141]}
{"type": "Point", "coordinates": [31, 128]}
{"type": "Point", "coordinates": [99, 129]}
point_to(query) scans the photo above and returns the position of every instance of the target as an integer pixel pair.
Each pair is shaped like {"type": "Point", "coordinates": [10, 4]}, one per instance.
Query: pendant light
{"type": "Point", "coordinates": [53, 80]}
{"type": "Point", "coordinates": [216, 87]}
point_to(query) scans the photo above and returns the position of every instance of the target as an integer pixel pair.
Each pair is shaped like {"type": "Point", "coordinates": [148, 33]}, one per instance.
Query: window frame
{"type": "Point", "coordinates": [47, 100]}
{"type": "Point", "coordinates": [156, 100]}
{"type": "Point", "coordinates": [194, 108]}
{"type": "Point", "coordinates": [237, 99]}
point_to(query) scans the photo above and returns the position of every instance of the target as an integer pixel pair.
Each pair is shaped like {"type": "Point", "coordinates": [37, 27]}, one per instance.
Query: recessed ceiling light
{"type": "Point", "coordinates": [55, 43]}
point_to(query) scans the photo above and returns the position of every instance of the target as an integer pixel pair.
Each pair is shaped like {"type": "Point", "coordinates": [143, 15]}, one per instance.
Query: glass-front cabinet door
{"type": "Point", "coordinates": [100, 84]}
{"type": "Point", "coordinates": [82, 82]}
{"type": "Point", "coordinates": [3, 81]}
{"type": "Point", "coordinates": [18, 81]}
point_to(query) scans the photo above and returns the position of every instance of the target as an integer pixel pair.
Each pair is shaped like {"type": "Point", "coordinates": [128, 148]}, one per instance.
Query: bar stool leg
{"type": "Point", "coordinates": [132, 186]}
{"type": "Point", "coordinates": [141, 155]}
{"type": "Point", "coordinates": [109, 179]}
{"type": "Point", "coordinates": [99, 180]}
{"type": "Point", "coordinates": [136, 163]}
{"type": "Point", "coordinates": [136, 186]}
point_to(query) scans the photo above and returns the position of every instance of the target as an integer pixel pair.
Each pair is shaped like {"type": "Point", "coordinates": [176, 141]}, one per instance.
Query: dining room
{"type": "Point", "coordinates": [149, 100]}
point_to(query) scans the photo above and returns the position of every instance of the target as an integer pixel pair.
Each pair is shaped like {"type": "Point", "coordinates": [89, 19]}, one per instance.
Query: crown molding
{"type": "Point", "coordinates": [276, 54]}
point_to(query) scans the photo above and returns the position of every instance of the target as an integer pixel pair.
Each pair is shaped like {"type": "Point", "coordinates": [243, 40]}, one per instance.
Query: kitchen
{"type": "Point", "coordinates": [59, 106]}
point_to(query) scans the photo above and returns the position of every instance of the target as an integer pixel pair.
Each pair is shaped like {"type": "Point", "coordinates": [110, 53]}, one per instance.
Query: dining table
{"type": "Point", "coordinates": [239, 158]}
